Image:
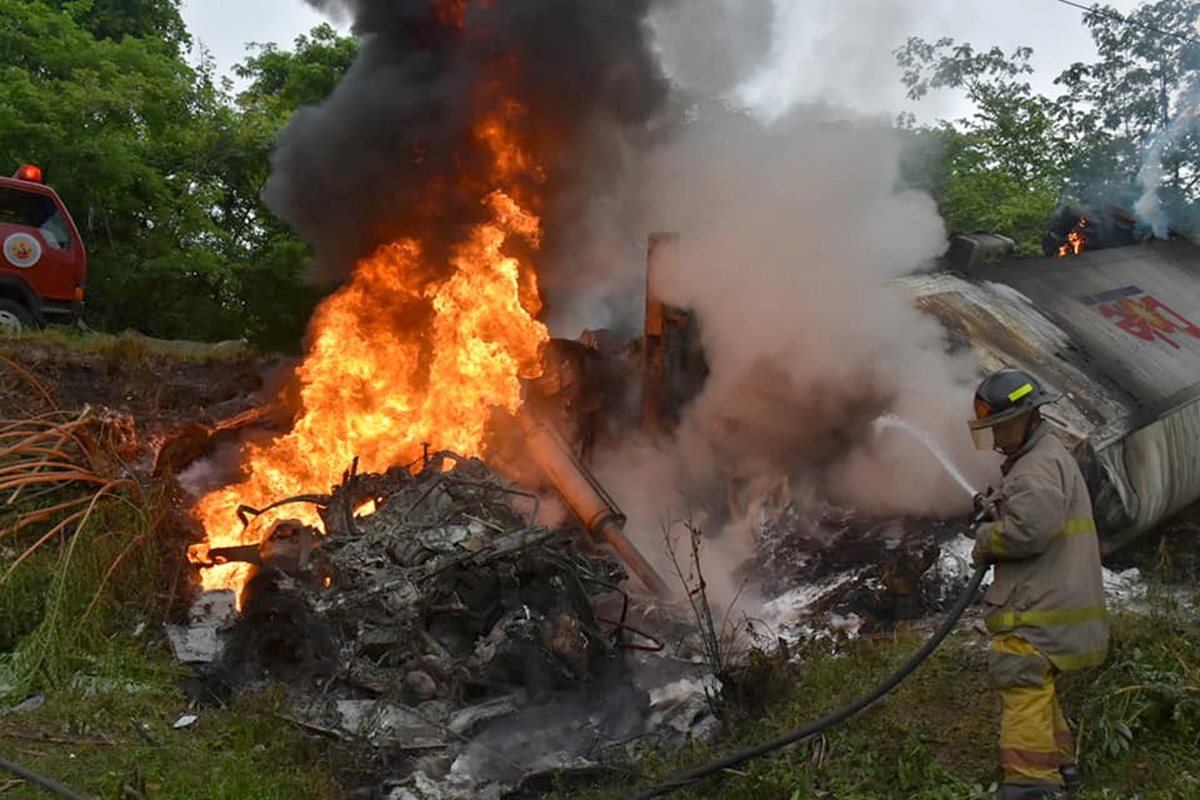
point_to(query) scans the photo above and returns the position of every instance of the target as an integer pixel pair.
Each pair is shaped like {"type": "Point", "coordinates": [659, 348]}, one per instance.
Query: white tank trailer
{"type": "Point", "coordinates": [1117, 331]}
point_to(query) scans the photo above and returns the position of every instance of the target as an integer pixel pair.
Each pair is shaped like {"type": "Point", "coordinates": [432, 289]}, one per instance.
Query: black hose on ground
{"type": "Point", "coordinates": [812, 729]}
{"type": "Point", "coordinates": [42, 781]}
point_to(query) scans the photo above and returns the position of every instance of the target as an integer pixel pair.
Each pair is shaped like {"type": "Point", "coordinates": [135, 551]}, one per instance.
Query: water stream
{"type": "Point", "coordinates": [892, 422]}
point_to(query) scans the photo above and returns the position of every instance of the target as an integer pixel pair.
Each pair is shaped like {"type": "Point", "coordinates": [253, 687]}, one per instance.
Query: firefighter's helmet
{"type": "Point", "coordinates": [1005, 395]}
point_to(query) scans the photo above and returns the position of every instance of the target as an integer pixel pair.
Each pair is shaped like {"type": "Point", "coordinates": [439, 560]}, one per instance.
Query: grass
{"type": "Point", "coordinates": [1137, 720]}
{"type": "Point", "coordinates": [81, 621]}
{"type": "Point", "coordinates": [58, 608]}
{"type": "Point", "coordinates": [90, 639]}
{"type": "Point", "coordinates": [85, 575]}
{"type": "Point", "coordinates": [244, 752]}
{"type": "Point", "coordinates": [129, 347]}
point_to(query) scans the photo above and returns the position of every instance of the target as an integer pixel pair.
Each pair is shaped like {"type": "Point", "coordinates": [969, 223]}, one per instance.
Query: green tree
{"type": "Point", "coordinates": [1137, 103]}
{"type": "Point", "coordinates": [283, 81]}
{"type": "Point", "coordinates": [1002, 169]}
{"type": "Point", "coordinates": [275, 300]}
{"type": "Point", "coordinates": [113, 123]}
{"type": "Point", "coordinates": [1126, 121]}
{"type": "Point", "coordinates": [142, 19]}
{"type": "Point", "coordinates": [162, 167]}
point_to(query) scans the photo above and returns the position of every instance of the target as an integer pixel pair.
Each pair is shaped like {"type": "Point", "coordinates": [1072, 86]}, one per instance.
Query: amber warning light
{"type": "Point", "coordinates": [31, 173]}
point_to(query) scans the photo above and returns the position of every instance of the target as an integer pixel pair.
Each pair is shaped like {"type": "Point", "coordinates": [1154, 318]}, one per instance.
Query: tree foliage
{"type": "Point", "coordinates": [1137, 104]}
{"type": "Point", "coordinates": [161, 165]}
{"type": "Point", "coordinates": [1132, 110]}
{"type": "Point", "coordinates": [284, 80]}
{"type": "Point", "coordinates": [116, 19]}
{"type": "Point", "coordinates": [1001, 168]}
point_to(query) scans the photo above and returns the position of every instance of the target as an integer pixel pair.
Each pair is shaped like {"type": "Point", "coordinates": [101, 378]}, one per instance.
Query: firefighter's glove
{"type": "Point", "coordinates": [982, 552]}
{"type": "Point", "coordinates": [983, 506]}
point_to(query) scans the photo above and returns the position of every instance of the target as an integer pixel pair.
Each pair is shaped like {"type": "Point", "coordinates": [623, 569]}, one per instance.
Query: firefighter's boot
{"type": "Point", "coordinates": [1072, 780]}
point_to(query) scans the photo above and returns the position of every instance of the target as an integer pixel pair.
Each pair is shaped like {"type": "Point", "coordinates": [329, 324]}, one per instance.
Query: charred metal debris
{"type": "Point", "coordinates": [432, 626]}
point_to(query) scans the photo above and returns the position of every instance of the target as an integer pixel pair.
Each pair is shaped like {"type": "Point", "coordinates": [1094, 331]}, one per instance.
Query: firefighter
{"type": "Point", "coordinates": [1045, 607]}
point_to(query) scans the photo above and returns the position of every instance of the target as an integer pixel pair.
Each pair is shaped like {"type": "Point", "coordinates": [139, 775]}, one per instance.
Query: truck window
{"type": "Point", "coordinates": [35, 211]}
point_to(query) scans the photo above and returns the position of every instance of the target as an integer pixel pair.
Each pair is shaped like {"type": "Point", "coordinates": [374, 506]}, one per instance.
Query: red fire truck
{"type": "Point", "coordinates": [43, 263]}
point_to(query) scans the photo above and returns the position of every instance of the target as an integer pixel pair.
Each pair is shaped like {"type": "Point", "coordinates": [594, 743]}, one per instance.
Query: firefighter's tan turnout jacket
{"type": "Point", "coordinates": [1048, 586]}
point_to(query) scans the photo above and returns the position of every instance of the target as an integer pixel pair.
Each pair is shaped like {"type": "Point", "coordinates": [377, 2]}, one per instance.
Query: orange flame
{"type": "Point", "coordinates": [397, 360]}
{"type": "Point", "coordinates": [1077, 240]}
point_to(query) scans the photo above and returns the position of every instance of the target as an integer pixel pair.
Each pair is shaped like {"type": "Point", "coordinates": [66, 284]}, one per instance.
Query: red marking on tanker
{"type": "Point", "coordinates": [1149, 319]}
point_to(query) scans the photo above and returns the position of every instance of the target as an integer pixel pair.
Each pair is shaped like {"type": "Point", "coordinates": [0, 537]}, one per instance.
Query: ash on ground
{"type": "Point", "coordinates": [831, 573]}
{"type": "Point", "coordinates": [834, 573]}
{"type": "Point", "coordinates": [458, 648]}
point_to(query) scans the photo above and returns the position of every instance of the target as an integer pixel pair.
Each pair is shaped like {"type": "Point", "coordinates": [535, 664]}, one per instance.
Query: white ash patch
{"type": "Point", "coordinates": [793, 617]}
{"type": "Point", "coordinates": [685, 707]}
{"type": "Point", "coordinates": [202, 640]}
{"type": "Point", "coordinates": [954, 562]}
{"type": "Point", "coordinates": [1124, 590]}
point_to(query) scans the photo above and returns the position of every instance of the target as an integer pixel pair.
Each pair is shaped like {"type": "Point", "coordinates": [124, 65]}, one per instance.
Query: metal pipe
{"type": "Point", "coordinates": [663, 250]}
{"type": "Point", "coordinates": [588, 501]}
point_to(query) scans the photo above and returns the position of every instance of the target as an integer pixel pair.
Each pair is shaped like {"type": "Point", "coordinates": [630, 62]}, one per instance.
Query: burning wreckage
{"type": "Point", "coordinates": [469, 642]}
{"type": "Point", "coordinates": [432, 615]}
{"type": "Point", "coordinates": [421, 554]}
{"type": "Point", "coordinates": [441, 627]}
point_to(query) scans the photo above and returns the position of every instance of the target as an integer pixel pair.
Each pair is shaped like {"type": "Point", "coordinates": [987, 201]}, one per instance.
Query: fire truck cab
{"type": "Point", "coordinates": [43, 264]}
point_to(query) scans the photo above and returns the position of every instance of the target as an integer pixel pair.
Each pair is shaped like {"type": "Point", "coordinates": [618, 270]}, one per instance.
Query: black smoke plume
{"type": "Point", "coordinates": [393, 152]}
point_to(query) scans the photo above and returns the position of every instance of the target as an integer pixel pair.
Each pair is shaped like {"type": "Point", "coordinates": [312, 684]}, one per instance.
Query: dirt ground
{"type": "Point", "coordinates": [158, 384]}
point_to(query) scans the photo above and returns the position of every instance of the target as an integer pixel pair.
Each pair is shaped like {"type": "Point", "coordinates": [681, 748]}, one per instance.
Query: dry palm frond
{"type": "Point", "coordinates": [61, 455]}
{"type": "Point", "coordinates": [30, 379]}
{"type": "Point", "coordinates": [74, 519]}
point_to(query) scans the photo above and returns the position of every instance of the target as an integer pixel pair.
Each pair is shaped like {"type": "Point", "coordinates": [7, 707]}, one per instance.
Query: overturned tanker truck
{"type": "Point", "coordinates": [1112, 324]}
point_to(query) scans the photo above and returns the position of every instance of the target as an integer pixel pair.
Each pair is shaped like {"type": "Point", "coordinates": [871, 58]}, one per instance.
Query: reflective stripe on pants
{"type": "Point", "coordinates": [1034, 738]}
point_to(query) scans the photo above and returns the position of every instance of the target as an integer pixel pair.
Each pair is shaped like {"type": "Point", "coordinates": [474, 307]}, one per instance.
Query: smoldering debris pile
{"type": "Point", "coordinates": [832, 570]}
{"type": "Point", "coordinates": [439, 631]}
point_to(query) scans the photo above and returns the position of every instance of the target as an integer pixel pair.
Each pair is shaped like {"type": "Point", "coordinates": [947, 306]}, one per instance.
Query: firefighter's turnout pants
{"type": "Point", "coordinates": [1034, 738]}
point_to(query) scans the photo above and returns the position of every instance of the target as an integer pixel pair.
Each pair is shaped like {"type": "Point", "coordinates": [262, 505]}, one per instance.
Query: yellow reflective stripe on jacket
{"type": "Point", "coordinates": [996, 544]}
{"type": "Point", "coordinates": [1073, 527]}
{"type": "Point", "coordinates": [1003, 620]}
{"type": "Point", "coordinates": [1070, 662]}
{"type": "Point", "coordinates": [1078, 526]}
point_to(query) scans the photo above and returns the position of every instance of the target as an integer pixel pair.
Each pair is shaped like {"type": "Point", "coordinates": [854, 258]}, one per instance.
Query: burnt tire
{"type": "Point", "coordinates": [14, 317]}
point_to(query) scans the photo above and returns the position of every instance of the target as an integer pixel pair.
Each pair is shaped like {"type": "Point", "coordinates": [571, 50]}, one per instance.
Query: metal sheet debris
{"type": "Point", "coordinates": [202, 640]}
{"type": "Point", "coordinates": [1118, 332]}
{"type": "Point", "coordinates": [445, 631]}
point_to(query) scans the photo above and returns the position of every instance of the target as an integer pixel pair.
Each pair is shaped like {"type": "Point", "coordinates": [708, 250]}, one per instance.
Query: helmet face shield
{"type": "Point", "coordinates": [1007, 415]}
{"type": "Point", "coordinates": [983, 438]}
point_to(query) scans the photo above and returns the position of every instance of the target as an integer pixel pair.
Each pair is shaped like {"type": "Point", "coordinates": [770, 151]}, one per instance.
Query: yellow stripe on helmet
{"type": "Point", "coordinates": [1024, 391]}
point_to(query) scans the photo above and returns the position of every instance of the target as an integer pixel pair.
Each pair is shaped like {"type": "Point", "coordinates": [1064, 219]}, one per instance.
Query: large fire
{"type": "Point", "coordinates": [397, 360]}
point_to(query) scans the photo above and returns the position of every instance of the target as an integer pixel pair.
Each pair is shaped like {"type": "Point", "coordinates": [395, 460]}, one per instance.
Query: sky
{"type": "Point", "coordinates": [834, 50]}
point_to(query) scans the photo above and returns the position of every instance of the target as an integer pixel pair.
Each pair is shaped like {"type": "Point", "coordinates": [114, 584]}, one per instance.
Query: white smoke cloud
{"type": "Point", "coordinates": [1149, 207]}
{"type": "Point", "coordinates": [792, 223]}
{"type": "Point", "coordinates": [790, 232]}
{"type": "Point", "coordinates": [835, 54]}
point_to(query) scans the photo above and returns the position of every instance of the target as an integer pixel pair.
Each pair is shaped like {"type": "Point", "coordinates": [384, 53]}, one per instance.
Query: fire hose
{"type": "Point", "coordinates": [42, 781]}
{"type": "Point", "coordinates": [685, 779]}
